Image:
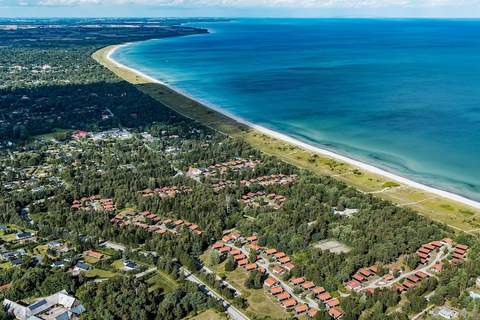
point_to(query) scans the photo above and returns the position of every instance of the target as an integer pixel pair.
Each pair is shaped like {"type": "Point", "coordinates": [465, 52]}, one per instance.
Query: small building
{"type": "Point", "coordinates": [283, 296]}
{"type": "Point", "coordinates": [447, 313]}
{"type": "Point", "coordinates": [308, 285]}
{"type": "Point", "coordinates": [297, 281]}
{"type": "Point", "coordinates": [301, 308]}
{"type": "Point", "coordinates": [312, 313]}
{"type": "Point", "coordinates": [336, 313]}
{"type": "Point", "coordinates": [332, 303]}
{"type": "Point", "coordinates": [130, 265]}
{"type": "Point", "coordinates": [324, 297]}
{"type": "Point", "coordinates": [352, 285]}
{"type": "Point", "coordinates": [290, 303]}
{"type": "Point", "coordinates": [23, 235]}
{"type": "Point", "coordinates": [478, 282]}
{"type": "Point", "coordinates": [276, 290]}
{"type": "Point", "coordinates": [289, 266]}
{"type": "Point", "coordinates": [59, 306]}
{"type": "Point", "coordinates": [278, 270]}
{"type": "Point", "coordinates": [270, 282]}
{"type": "Point", "coordinates": [318, 290]}
{"type": "Point", "coordinates": [82, 266]}
{"type": "Point", "coordinates": [250, 267]}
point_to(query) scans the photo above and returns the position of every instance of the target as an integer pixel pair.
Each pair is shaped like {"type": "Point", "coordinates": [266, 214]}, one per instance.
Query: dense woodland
{"type": "Point", "coordinates": [76, 93]}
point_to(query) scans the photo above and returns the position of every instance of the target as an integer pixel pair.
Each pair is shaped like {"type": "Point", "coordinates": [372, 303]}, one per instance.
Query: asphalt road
{"type": "Point", "coordinates": [234, 313]}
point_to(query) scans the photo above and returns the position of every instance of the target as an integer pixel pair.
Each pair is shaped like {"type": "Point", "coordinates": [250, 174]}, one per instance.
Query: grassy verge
{"type": "Point", "coordinates": [455, 214]}
{"type": "Point", "coordinates": [162, 280]}
{"type": "Point", "coordinates": [99, 274]}
{"type": "Point", "coordinates": [6, 265]}
{"type": "Point", "coordinates": [208, 315]}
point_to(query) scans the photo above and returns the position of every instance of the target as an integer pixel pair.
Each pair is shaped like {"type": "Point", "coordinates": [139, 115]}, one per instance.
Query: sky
{"type": "Point", "coordinates": [240, 8]}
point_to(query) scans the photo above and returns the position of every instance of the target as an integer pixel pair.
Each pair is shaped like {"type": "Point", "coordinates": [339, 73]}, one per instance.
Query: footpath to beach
{"type": "Point", "coordinates": [456, 211]}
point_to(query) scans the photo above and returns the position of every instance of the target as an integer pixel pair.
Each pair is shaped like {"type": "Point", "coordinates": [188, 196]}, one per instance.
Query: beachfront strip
{"type": "Point", "coordinates": [274, 264]}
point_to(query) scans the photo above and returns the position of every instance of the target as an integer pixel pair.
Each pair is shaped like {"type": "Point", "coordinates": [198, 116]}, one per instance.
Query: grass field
{"type": "Point", "coordinates": [91, 260]}
{"type": "Point", "coordinates": [40, 250]}
{"type": "Point", "coordinates": [6, 265]}
{"type": "Point", "coordinates": [208, 315]}
{"type": "Point", "coordinates": [162, 280]}
{"type": "Point", "coordinates": [118, 264]}
{"type": "Point", "coordinates": [99, 274]}
{"type": "Point", "coordinates": [8, 237]}
{"type": "Point", "coordinates": [455, 214]}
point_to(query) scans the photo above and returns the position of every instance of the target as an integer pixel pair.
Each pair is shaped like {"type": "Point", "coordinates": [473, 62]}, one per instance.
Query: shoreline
{"type": "Point", "coordinates": [290, 140]}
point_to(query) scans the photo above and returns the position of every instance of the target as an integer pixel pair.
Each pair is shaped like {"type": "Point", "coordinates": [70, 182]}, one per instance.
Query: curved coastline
{"type": "Point", "coordinates": [285, 138]}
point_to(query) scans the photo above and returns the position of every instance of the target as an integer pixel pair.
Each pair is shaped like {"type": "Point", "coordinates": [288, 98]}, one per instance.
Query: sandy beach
{"type": "Point", "coordinates": [288, 139]}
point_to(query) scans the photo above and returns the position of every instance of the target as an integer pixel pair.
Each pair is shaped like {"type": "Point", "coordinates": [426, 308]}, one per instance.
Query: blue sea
{"type": "Point", "coordinates": [403, 95]}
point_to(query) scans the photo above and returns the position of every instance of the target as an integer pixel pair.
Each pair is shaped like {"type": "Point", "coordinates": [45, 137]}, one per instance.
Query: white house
{"type": "Point", "coordinates": [57, 306]}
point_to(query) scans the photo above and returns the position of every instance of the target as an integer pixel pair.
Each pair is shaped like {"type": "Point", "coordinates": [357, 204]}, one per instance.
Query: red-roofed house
{"type": "Point", "coordinates": [324, 297]}
{"type": "Point", "coordinates": [289, 303]}
{"type": "Point", "coordinates": [270, 251]}
{"type": "Point", "coordinates": [421, 275]}
{"type": "Point", "coordinates": [278, 270]}
{"type": "Point", "coordinates": [332, 303]}
{"type": "Point", "coordinates": [312, 313]}
{"type": "Point", "coordinates": [270, 282]}
{"type": "Point", "coordinates": [284, 260]}
{"type": "Point", "coordinates": [242, 263]}
{"type": "Point", "coordinates": [276, 290]}
{"type": "Point", "coordinates": [289, 266]}
{"type": "Point", "coordinates": [358, 277]}
{"type": "Point", "coordinates": [318, 290]}
{"type": "Point", "coordinates": [301, 308]}
{"type": "Point", "coordinates": [336, 313]}
{"type": "Point", "coordinates": [296, 281]}
{"type": "Point", "coordinates": [365, 272]}
{"type": "Point", "coordinates": [279, 255]}
{"type": "Point", "coordinates": [308, 285]}
{"type": "Point", "coordinates": [283, 296]}
{"type": "Point", "coordinates": [250, 267]}
{"type": "Point", "coordinates": [352, 285]}
{"type": "Point", "coordinates": [78, 134]}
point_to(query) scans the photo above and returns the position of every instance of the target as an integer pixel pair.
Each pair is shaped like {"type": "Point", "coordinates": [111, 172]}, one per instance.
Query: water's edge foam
{"type": "Point", "coordinates": [298, 143]}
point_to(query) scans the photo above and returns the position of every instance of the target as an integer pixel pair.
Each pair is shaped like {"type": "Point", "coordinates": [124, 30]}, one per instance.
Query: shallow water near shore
{"type": "Point", "coordinates": [403, 95]}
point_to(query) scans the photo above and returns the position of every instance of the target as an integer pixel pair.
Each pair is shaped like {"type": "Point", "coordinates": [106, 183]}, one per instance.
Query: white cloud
{"type": "Point", "coordinates": [254, 3]}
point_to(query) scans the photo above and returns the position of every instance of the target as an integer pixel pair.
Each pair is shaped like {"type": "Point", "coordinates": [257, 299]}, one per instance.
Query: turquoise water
{"type": "Point", "coordinates": [403, 95]}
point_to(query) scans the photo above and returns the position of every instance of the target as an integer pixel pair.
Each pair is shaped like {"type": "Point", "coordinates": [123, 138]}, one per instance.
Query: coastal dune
{"type": "Point", "coordinates": [457, 211]}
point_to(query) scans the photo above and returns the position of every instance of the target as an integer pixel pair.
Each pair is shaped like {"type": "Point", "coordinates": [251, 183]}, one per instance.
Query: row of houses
{"type": "Point", "coordinates": [261, 198]}
{"type": "Point", "coordinates": [274, 179]}
{"type": "Point", "coordinates": [361, 276]}
{"type": "Point", "coordinates": [222, 168]}
{"type": "Point", "coordinates": [222, 184]}
{"type": "Point", "coordinates": [95, 203]}
{"type": "Point", "coordinates": [238, 256]}
{"type": "Point", "coordinates": [166, 192]}
{"type": "Point", "coordinates": [288, 302]}
{"type": "Point", "coordinates": [411, 281]}
{"type": "Point", "coordinates": [153, 223]}
{"type": "Point", "coordinates": [459, 253]}
{"type": "Point", "coordinates": [426, 250]}
{"type": "Point", "coordinates": [282, 264]}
